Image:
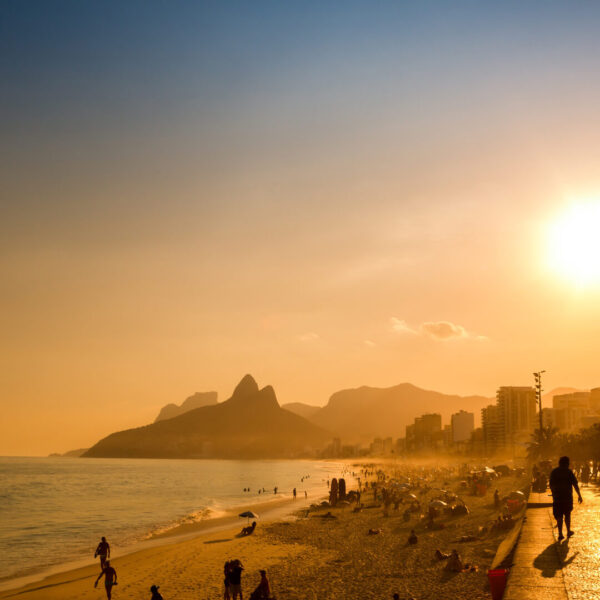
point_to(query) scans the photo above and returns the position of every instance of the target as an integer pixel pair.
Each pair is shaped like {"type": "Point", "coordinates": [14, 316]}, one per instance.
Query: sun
{"type": "Point", "coordinates": [574, 243]}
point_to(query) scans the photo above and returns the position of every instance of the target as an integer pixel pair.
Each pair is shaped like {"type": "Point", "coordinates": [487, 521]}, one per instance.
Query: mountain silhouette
{"type": "Point", "coordinates": [250, 424]}
{"type": "Point", "coordinates": [547, 398]}
{"type": "Point", "coordinates": [304, 410]}
{"type": "Point", "coordinates": [360, 414]}
{"type": "Point", "coordinates": [197, 400]}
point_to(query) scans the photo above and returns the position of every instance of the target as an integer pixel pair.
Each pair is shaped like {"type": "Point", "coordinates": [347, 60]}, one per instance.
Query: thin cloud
{"type": "Point", "coordinates": [443, 330]}
{"type": "Point", "coordinates": [369, 343]}
{"type": "Point", "coordinates": [436, 330]}
{"type": "Point", "coordinates": [310, 336]}
{"type": "Point", "coordinates": [400, 326]}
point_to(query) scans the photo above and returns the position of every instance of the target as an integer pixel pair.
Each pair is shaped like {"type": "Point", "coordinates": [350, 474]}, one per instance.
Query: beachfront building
{"type": "Point", "coordinates": [447, 436]}
{"type": "Point", "coordinates": [462, 424]}
{"type": "Point", "coordinates": [571, 412]}
{"type": "Point", "coordinates": [492, 428]}
{"type": "Point", "coordinates": [425, 433]}
{"type": "Point", "coordinates": [518, 415]}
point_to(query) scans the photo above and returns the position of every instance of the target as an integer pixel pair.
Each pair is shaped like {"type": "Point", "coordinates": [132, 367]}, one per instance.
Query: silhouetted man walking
{"type": "Point", "coordinates": [103, 551]}
{"type": "Point", "coordinates": [562, 482]}
{"type": "Point", "coordinates": [110, 579]}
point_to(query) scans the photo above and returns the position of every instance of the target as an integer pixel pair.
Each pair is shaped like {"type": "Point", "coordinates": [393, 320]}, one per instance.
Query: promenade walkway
{"type": "Point", "coordinates": [542, 568]}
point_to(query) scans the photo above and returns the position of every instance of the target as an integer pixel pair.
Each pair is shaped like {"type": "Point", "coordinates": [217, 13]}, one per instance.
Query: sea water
{"type": "Point", "coordinates": [54, 510]}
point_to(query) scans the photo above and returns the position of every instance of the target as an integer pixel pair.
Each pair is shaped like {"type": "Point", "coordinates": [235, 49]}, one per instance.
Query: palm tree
{"type": "Point", "coordinates": [544, 443]}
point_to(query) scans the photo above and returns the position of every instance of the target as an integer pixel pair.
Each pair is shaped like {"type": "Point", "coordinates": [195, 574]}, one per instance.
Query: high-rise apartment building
{"type": "Point", "coordinates": [517, 412]}
{"type": "Point", "coordinates": [463, 424]}
{"type": "Point", "coordinates": [492, 428]}
{"type": "Point", "coordinates": [511, 420]}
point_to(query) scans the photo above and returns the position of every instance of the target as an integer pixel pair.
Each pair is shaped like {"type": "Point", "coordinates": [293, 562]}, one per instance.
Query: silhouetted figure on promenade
{"type": "Point", "coordinates": [562, 482]}
{"type": "Point", "coordinates": [155, 593]}
{"type": "Point", "coordinates": [110, 579]}
{"type": "Point", "coordinates": [294, 492]}
{"type": "Point", "coordinates": [103, 551]}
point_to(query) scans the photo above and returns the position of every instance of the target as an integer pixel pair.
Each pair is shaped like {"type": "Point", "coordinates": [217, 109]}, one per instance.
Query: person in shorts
{"type": "Point", "coordinates": [103, 551]}
{"type": "Point", "coordinates": [562, 482]}
{"type": "Point", "coordinates": [235, 580]}
{"type": "Point", "coordinates": [110, 579]}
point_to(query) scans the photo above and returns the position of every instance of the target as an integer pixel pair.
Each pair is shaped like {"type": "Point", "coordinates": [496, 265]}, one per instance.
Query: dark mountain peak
{"type": "Point", "coordinates": [251, 424]}
{"type": "Point", "coordinates": [246, 387]}
{"type": "Point", "coordinates": [247, 396]}
{"type": "Point", "coordinates": [267, 397]}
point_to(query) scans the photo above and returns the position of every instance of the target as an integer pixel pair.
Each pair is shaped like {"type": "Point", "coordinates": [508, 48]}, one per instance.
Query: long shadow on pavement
{"type": "Point", "coordinates": [552, 559]}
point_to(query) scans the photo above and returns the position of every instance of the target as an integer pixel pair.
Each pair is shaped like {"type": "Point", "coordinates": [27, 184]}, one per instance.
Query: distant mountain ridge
{"type": "Point", "coordinates": [304, 410]}
{"type": "Point", "coordinates": [360, 414]}
{"type": "Point", "coordinates": [70, 454]}
{"type": "Point", "coordinates": [558, 392]}
{"type": "Point", "coordinates": [197, 400]}
{"type": "Point", "coordinates": [250, 424]}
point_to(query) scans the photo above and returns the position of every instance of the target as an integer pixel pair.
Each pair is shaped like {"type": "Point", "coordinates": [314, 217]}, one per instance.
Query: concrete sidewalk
{"type": "Point", "coordinates": [542, 568]}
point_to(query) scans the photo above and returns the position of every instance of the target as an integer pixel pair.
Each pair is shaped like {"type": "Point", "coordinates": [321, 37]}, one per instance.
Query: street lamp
{"type": "Point", "coordinates": [538, 397]}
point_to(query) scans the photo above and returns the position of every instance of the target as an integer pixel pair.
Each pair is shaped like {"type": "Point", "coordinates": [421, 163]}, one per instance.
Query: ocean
{"type": "Point", "coordinates": [53, 511]}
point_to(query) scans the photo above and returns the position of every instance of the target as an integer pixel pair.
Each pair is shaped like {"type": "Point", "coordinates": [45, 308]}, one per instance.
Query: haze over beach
{"type": "Point", "coordinates": [329, 268]}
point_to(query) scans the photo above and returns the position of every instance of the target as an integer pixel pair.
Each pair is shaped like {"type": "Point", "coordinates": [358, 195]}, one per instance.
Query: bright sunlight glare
{"type": "Point", "coordinates": [574, 243]}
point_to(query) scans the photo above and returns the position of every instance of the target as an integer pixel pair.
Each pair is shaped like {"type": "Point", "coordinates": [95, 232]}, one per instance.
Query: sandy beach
{"type": "Point", "coordinates": [306, 556]}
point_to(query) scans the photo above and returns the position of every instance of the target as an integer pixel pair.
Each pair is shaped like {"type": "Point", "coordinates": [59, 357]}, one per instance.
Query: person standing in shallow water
{"type": "Point", "coordinates": [562, 482]}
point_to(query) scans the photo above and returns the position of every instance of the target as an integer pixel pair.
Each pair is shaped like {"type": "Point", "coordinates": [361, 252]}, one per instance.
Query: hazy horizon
{"type": "Point", "coordinates": [322, 195]}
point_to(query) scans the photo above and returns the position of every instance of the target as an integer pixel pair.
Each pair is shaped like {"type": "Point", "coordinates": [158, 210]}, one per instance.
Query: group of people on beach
{"type": "Point", "coordinates": [110, 574]}
{"type": "Point", "coordinates": [232, 571]}
{"type": "Point", "coordinates": [232, 578]}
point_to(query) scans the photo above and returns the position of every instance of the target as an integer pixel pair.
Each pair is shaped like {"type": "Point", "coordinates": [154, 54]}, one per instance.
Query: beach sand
{"type": "Point", "coordinates": [306, 558]}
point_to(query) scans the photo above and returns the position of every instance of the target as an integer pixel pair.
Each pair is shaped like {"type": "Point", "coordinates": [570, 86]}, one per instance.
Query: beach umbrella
{"type": "Point", "coordinates": [248, 514]}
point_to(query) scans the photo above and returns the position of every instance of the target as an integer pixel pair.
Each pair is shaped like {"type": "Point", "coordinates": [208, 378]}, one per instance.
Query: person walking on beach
{"type": "Point", "coordinates": [155, 593]}
{"type": "Point", "coordinates": [235, 579]}
{"type": "Point", "coordinates": [294, 493]}
{"type": "Point", "coordinates": [103, 551]}
{"type": "Point", "coordinates": [110, 579]}
{"type": "Point", "coordinates": [562, 482]}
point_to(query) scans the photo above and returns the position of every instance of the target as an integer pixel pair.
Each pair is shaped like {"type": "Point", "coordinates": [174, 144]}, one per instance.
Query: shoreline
{"type": "Point", "coordinates": [316, 552]}
{"type": "Point", "coordinates": [268, 512]}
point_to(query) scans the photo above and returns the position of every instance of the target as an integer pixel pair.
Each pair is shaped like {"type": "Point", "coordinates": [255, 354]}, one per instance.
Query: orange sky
{"type": "Point", "coordinates": [368, 216]}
